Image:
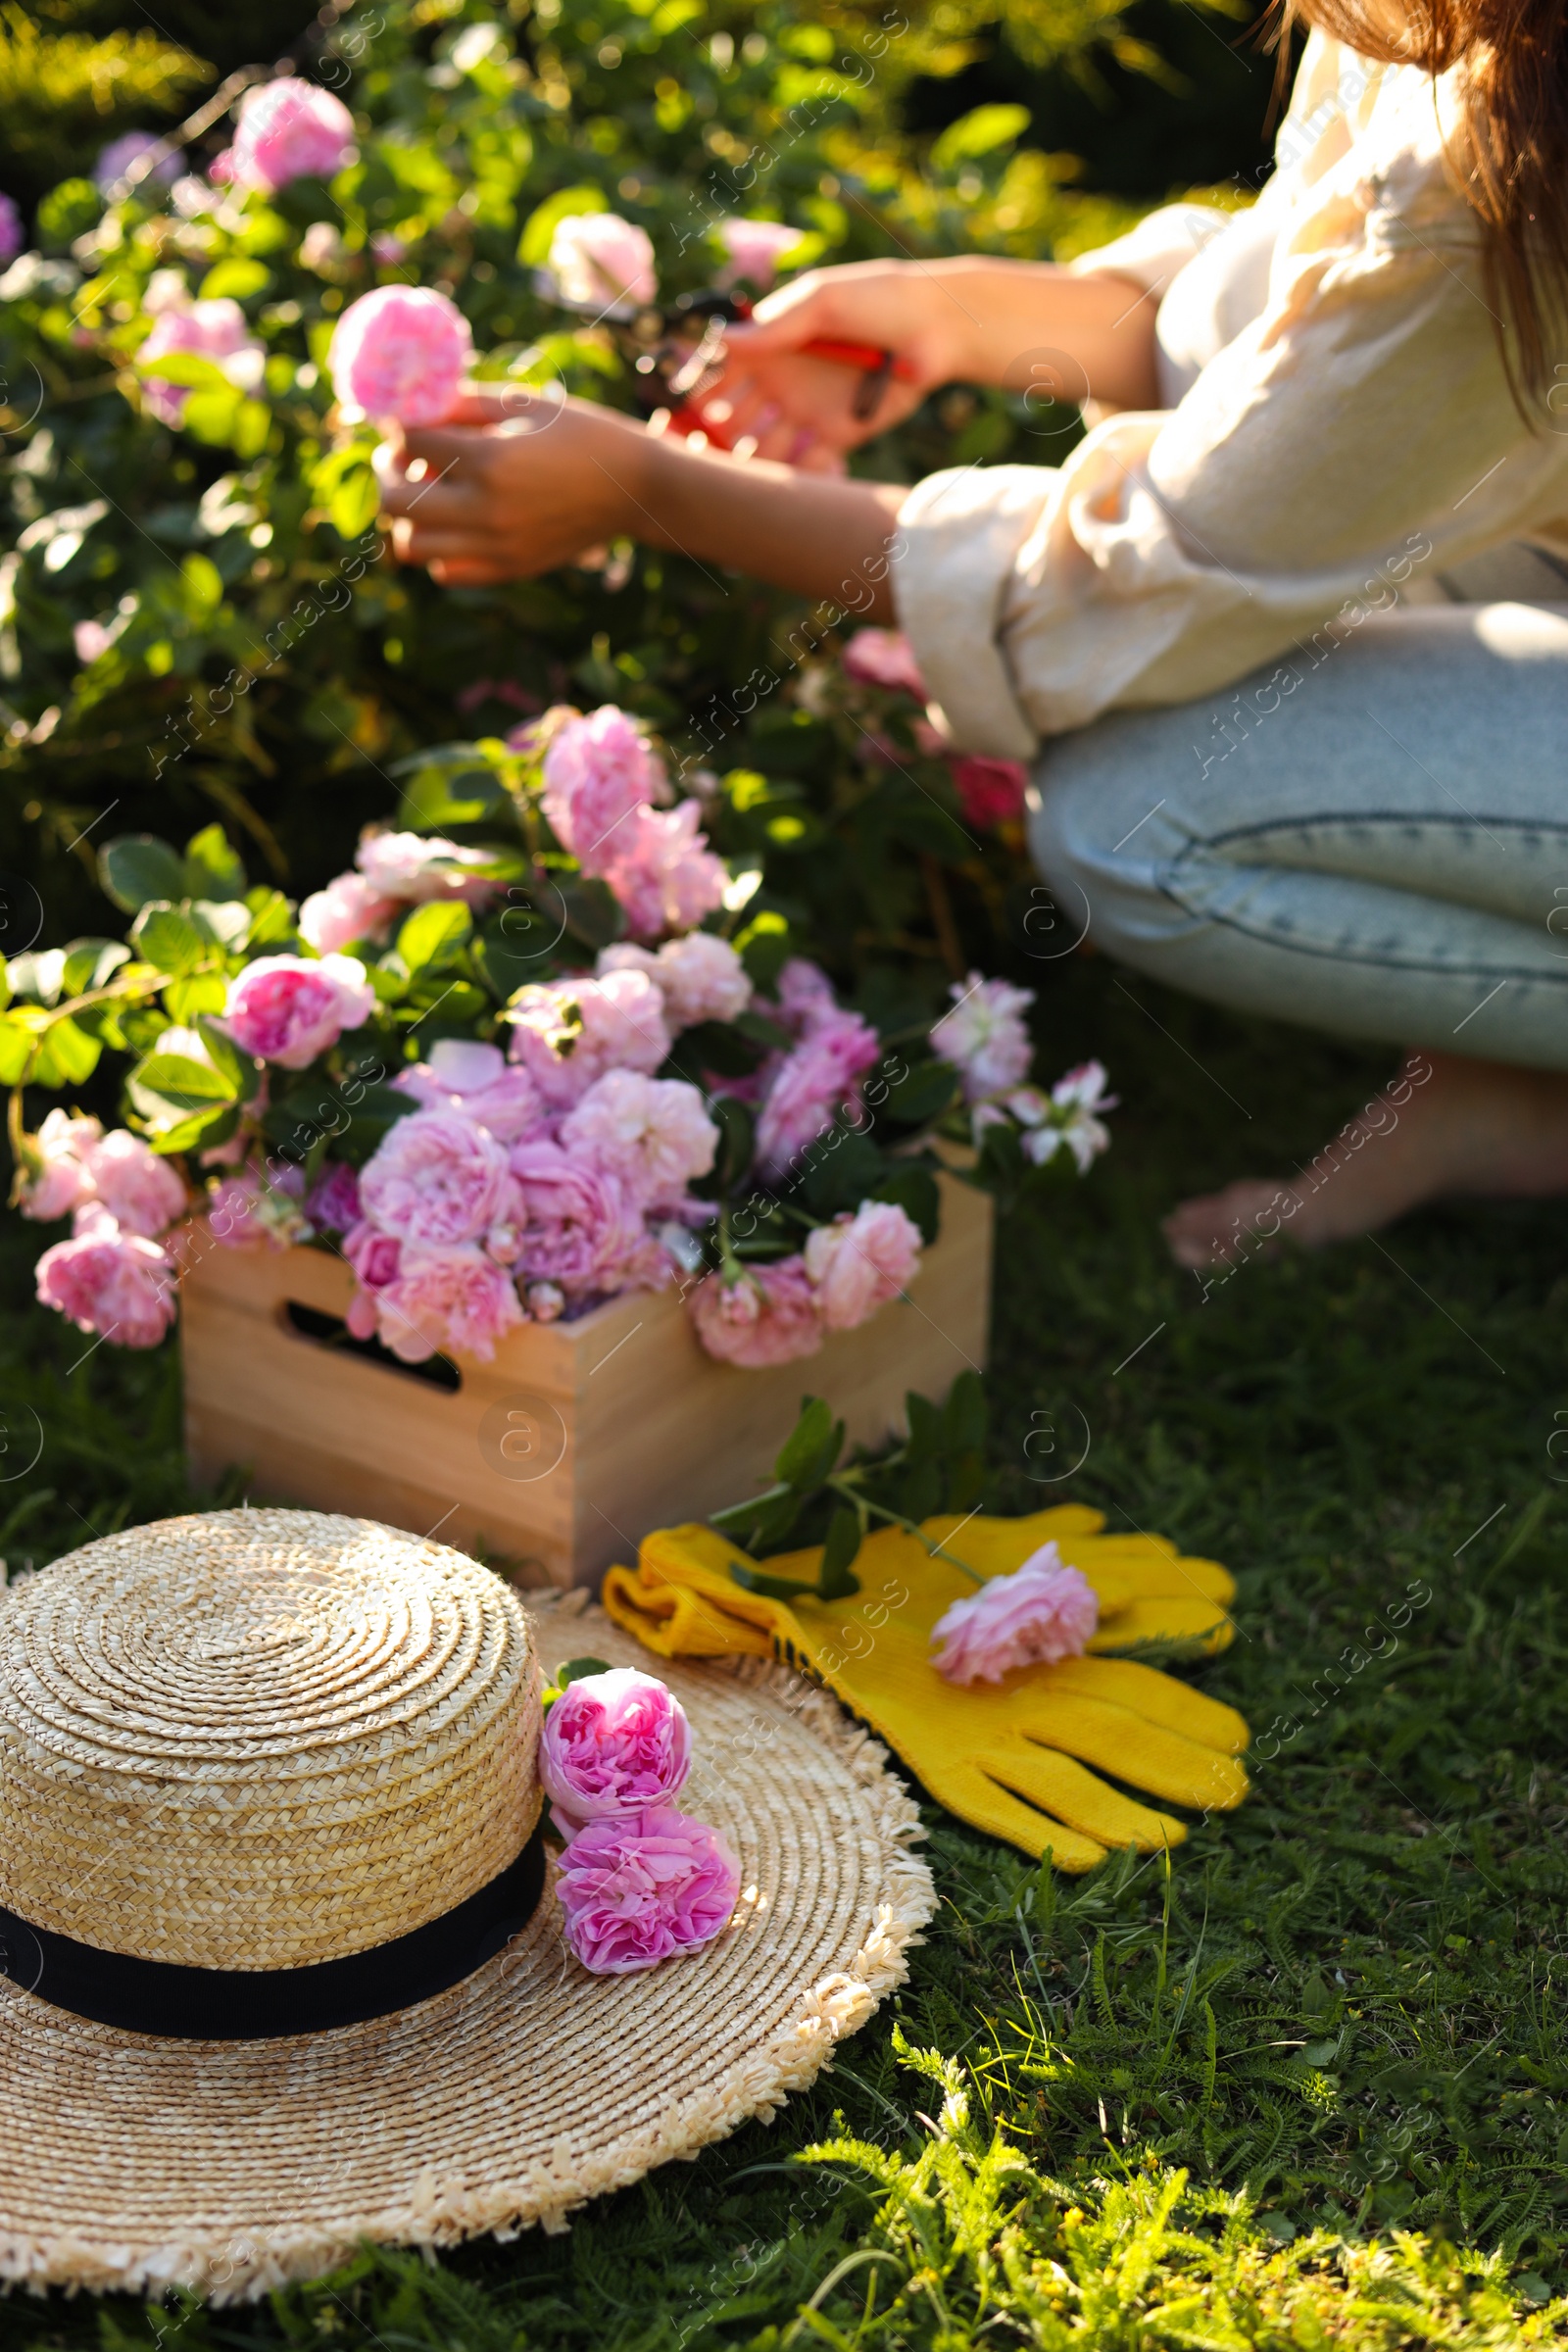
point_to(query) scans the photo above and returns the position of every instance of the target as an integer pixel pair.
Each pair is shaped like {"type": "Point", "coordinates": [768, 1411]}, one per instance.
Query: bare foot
{"type": "Point", "coordinates": [1444, 1126]}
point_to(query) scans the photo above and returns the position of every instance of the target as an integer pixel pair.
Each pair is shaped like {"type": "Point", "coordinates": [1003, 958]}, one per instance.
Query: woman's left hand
{"type": "Point", "coordinates": [514, 483]}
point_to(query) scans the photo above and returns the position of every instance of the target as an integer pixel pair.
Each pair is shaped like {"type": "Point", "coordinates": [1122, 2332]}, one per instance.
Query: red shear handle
{"type": "Point", "coordinates": [868, 356]}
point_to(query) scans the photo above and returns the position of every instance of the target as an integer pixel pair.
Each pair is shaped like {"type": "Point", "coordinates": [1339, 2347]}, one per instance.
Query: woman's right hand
{"type": "Point", "coordinates": [776, 401]}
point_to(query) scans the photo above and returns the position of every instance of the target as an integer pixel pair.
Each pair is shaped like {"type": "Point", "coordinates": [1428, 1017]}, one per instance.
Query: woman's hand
{"type": "Point", "coordinates": [513, 484]}
{"type": "Point", "coordinates": [774, 401]}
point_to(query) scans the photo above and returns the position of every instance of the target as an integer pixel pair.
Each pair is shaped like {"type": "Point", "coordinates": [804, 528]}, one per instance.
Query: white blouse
{"type": "Point", "coordinates": [1337, 428]}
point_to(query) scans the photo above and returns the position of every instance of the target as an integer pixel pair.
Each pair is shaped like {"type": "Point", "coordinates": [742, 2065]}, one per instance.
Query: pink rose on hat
{"type": "Point", "coordinates": [613, 1743]}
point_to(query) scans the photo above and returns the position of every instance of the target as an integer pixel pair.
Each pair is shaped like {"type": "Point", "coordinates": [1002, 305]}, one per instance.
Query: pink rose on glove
{"type": "Point", "coordinates": [769, 1316]}
{"type": "Point", "coordinates": [860, 1262]}
{"type": "Point", "coordinates": [287, 129]}
{"type": "Point", "coordinates": [436, 1179]}
{"type": "Point", "coordinates": [1040, 1614]}
{"type": "Point", "coordinates": [283, 1010]}
{"type": "Point", "coordinates": [113, 1283]}
{"type": "Point", "coordinates": [636, 1889]}
{"type": "Point", "coordinates": [403, 352]}
{"type": "Point", "coordinates": [347, 910]}
{"type": "Point", "coordinates": [612, 1744]}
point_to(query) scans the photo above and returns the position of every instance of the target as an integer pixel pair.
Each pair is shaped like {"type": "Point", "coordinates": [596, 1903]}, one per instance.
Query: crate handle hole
{"type": "Point", "coordinates": [330, 1331]}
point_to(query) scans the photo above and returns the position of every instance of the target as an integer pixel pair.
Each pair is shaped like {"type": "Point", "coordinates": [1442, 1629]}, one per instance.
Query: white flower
{"type": "Point", "coordinates": [984, 1035]}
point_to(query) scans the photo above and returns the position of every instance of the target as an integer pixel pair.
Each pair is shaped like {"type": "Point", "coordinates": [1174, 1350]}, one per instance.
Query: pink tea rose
{"type": "Point", "coordinates": [1041, 1613]}
{"type": "Point", "coordinates": [700, 977]}
{"type": "Point", "coordinates": [13, 235]}
{"type": "Point", "coordinates": [476, 1081]}
{"type": "Point", "coordinates": [333, 1201]}
{"type": "Point", "coordinates": [89, 639]}
{"type": "Point", "coordinates": [436, 1179]}
{"type": "Point", "coordinates": [612, 1744]}
{"type": "Point", "coordinates": [662, 871]}
{"type": "Point", "coordinates": [582, 1227]}
{"type": "Point", "coordinates": [119, 1285]}
{"type": "Point", "coordinates": [215, 330]}
{"type": "Point", "coordinates": [56, 1174]}
{"type": "Point", "coordinates": [286, 1010]}
{"type": "Point", "coordinates": [805, 996]}
{"type": "Point", "coordinates": [768, 1316]}
{"type": "Point", "coordinates": [639, 1886]}
{"type": "Point", "coordinates": [347, 910]}
{"type": "Point", "coordinates": [857, 1263]}
{"type": "Point", "coordinates": [547, 1301]}
{"type": "Point", "coordinates": [814, 1081]}
{"type": "Point", "coordinates": [403, 352]}
{"type": "Point", "coordinates": [597, 771]}
{"type": "Point", "coordinates": [566, 1033]}
{"type": "Point", "coordinates": [984, 1035]}
{"type": "Point", "coordinates": [455, 1301]}
{"type": "Point", "coordinates": [141, 1192]}
{"type": "Point", "coordinates": [374, 1258]}
{"type": "Point", "coordinates": [885, 658]}
{"type": "Point", "coordinates": [754, 248]}
{"type": "Point", "coordinates": [322, 248]}
{"type": "Point", "coordinates": [991, 792]}
{"type": "Point", "coordinates": [288, 129]}
{"type": "Point", "coordinates": [416, 867]}
{"type": "Point", "coordinates": [598, 262]}
{"type": "Point", "coordinates": [258, 1209]}
{"type": "Point", "coordinates": [653, 1133]}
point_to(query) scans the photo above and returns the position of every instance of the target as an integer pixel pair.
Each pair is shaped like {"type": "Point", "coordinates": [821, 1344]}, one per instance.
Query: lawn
{"type": "Point", "coordinates": [1303, 2086]}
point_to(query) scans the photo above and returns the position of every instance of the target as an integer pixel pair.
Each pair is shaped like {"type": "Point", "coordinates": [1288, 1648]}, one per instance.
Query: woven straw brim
{"type": "Point", "coordinates": [231, 2168]}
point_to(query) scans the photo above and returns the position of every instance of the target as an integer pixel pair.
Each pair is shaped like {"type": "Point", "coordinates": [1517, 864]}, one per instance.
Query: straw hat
{"type": "Point", "coordinates": [260, 1768]}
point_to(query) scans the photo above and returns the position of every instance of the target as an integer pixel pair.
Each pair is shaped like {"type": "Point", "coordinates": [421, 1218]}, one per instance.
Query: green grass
{"type": "Point", "coordinates": [1305, 2087]}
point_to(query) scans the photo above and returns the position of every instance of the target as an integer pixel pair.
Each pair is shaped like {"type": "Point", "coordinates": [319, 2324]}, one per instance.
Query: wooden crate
{"type": "Point", "coordinates": [580, 1436]}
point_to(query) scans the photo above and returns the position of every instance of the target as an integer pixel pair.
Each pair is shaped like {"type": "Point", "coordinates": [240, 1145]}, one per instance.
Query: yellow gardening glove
{"type": "Point", "coordinates": [1012, 1756]}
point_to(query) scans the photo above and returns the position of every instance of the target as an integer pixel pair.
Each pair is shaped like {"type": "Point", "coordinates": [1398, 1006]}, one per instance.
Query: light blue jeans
{"type": "Point", "coordinates": [1370, 836]}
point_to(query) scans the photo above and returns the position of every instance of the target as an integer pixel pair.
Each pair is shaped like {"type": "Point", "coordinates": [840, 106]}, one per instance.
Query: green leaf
{"type": "Point", "coordinates": [841, 1548]}
{"type": "Point", "coordinates": [5, 985]}
{"type": "Point", "coordinates": [204, 1128]}
{"type": "Point", "coordinates": [737, 1140]}
{"type": "Point", "coordinates": [213, 868]}
{"type": "Point", "coordinates": [923, 1093]}
{"type": "Point", "coordinates": [593, 913]}
{"type": "Point", "coordinates": [355, 503]}
{"type": "Point", "coordinates": [441, 793]}
{"type": "Point", "coordinates": [979, 132]}
{"type": "Point", "coordinates": [808, 1454]}
{"type": "Point", "coordinates": [184, 1001]}
{"type": "Point", "coordinates": [223, 922]}
{"type": "Point", "coordinates": [763, 1521]}
{"type": "Point", "coordinates": [721, 1047]}
{"type": "Point", "coordinates": [209, 415]}
{"type": "Point", "coordinates": [242, 1071]}
{"type": "Point", "coordinates": [138, 867]}
{"type": "Point", "coordinates": [914, 1190]}
{"type": "Point", "coordinates": [66, 1056]}
{"type": "Point", "coordinates": [247, 435]}
{"type": "Point", "coordinates": [16, 1050]}
{"type": "Point", "coordinates": [169, 939]}
{"type": "Point", "coordinates": [238, 277]}
{"type": "Point", "coordinates": [90, 964]}
{"type": "Point", "coordinates": [573, 1670]}
{"type": "Point", "coordinates": [964, 1415]}
{"type": "Point", "coordinates": [186, 369]}
{"type": "Point", "coordinates": [182, 1083]}
{"type": "Point", "coordinates": [272, 916]}
{"type": "Point", "coordinates": [539, 229]}
{"type": "Point", "coordinates": [433, 934]}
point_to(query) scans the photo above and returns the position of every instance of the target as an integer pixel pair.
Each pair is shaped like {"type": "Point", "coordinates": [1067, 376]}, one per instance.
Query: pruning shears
{"type": "Point", "coordinates": [677, 360]}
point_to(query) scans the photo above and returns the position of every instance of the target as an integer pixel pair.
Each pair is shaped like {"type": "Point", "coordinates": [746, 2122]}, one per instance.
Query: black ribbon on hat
{"type": "Point", "coordinates": [259, 2004]}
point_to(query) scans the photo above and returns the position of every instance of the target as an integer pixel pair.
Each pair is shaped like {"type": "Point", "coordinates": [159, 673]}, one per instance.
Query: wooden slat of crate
{"type": "Point", "coordinates": [561, 1453]}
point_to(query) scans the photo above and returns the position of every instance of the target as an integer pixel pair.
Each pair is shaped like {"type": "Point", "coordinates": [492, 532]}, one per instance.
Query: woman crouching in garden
{"type": "Point", "coordinates": [1286, 636]}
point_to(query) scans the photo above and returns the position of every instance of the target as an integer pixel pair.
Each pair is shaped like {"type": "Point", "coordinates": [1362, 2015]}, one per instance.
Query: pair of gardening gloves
{"type": "Point", "coordinates": [1022, 1758]}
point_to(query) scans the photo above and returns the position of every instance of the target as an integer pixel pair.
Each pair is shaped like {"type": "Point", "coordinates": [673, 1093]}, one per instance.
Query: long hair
{"type": "Point", "coordinates": [1511, 151]}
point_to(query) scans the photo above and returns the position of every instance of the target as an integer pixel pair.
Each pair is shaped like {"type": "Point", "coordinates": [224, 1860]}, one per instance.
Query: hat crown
{"type": "Point", "coordinates": [258, 1739]}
